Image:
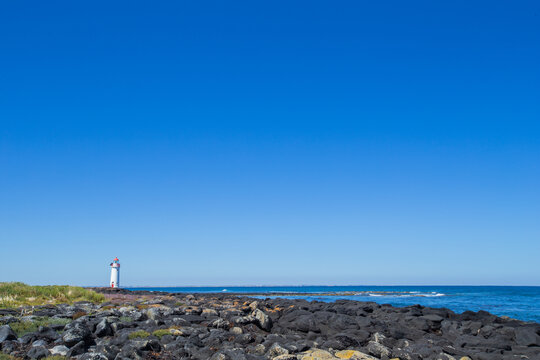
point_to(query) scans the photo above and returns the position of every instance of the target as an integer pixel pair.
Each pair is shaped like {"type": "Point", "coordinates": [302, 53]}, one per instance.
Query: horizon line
{"type": "Point", "coordinates": [304, 285]}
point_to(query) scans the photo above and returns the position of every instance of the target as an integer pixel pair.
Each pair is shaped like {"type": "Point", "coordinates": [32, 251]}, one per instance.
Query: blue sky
{"type": "Point", "coordinates": [219, 143]}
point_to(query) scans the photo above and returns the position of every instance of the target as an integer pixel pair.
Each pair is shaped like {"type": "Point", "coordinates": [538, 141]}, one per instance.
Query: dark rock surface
{"type": "Point", "coordinates": [147, 325]}
{"type": "Point", "coordinates": [6, 333]}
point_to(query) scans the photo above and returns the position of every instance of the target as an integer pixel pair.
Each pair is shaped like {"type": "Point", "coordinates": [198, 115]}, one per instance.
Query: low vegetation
{"type": "Point", "coordinates": [16, 294]}
{"type": "Point", "coordinates": [24, 327]}
{"type": "Point", "coordinates": [161, 332]}
{"type": "Point", "coordinates": [126, 319]}
{"type": "Point", "coordinates": [7, 357]}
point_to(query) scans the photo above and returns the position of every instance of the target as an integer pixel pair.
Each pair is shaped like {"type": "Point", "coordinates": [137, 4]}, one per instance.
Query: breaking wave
{"type": "Point", "coordinates": [396, 294]}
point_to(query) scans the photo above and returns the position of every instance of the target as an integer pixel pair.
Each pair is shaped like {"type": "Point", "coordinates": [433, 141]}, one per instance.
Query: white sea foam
{"type": "Point", "coordinates": [400, 294]}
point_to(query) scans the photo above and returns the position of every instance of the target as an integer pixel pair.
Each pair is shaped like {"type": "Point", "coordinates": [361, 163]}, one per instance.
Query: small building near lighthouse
{"type": "Point", "coordinates": [115, 273]}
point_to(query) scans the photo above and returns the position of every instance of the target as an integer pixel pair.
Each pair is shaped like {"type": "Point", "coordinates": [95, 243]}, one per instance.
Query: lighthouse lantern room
{"type": "Point", "coordinates": [115, 273]}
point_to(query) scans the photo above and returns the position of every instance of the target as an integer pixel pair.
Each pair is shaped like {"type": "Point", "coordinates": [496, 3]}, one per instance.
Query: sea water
{"type": "Point", "coordinates": [518, 302]}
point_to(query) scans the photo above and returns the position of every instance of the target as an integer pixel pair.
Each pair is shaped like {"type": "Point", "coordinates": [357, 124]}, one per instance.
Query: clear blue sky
{"type": "Point", "coordinates": [270, 142]}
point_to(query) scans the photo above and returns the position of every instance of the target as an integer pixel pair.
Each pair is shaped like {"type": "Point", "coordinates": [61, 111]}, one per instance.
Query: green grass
{"type": "Point", "coordinates": [7, 357]}
{"type": "Point", "coordinates": [25, 327]}
{"type": "Point", "coordinates": [126, 319]}
{"type": "Point", "coordinates": [16, 294]}
{"type": "Point", "coordinates": [140, 334]}
{"type": "Point", "coordinates": [161, 332]}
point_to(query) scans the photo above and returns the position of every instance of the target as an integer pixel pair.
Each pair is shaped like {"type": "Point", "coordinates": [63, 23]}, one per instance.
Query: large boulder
{"type": "Point", "coordinates": [6, 333]}
{"type": "Point", "coordinates": [77, 349]}
{"type": "Point", "coordinates": [243, 320]}
{"type": "Point", "coordinates": [220, 324]}
{"type": "Point", "coordinates": [47, 333]}
{"type": "Point", "coordinates": [341, 342]}
{"type": "Point", "coordinates": [129, 352]}
{"type": "Point", "coordinates": [209, 312]}
{"type": "Point", "coordinates": [527, 336]}
{"type": "Point", "coordinates": [153, 313]}
{"type": "Point", "coordinates": [103, 328]}
{"type": "Point", "coordinates": [9, 346]}
{"type": "Point", "coordinates": [276, 350]}
{"type": "Point", "coordinates": [216, 338]}
{"type": "Point", "coordinates": [39, 342]}
{"type": "Point", "coordinates": [378, 349]}
{"type": "Point", "coordinates": [37, 352]}
{"type": "Point", "coordinates": [236, 330]}
{"type": "Point", "coordinates": [305, 323]}
{"type": "Point", "coordinates": [244, 339]}
{"type": "Point", "coordinates": [109, 351]}
{"type": "Point", "coordinates": [60, 350]}
{"type": "Point", "coordinates": [75, 333]}
{"type": "Point", "coordinates": [262, 320]}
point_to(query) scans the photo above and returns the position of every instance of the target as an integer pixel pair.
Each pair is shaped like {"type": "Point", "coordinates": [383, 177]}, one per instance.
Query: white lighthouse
{"type": "Point", "coordinates": [115, 273]}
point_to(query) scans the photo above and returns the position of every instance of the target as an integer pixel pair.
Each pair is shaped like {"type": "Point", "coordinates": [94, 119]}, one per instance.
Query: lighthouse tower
{"type": "Point", "coordinates": [115, 273]}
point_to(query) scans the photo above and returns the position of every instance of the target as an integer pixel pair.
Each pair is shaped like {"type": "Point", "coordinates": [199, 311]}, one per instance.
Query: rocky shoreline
{"type": "Point", "coordinates": [154, 325]}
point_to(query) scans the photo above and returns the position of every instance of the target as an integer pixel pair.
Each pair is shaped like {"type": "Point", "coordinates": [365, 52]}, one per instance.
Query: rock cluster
{"type": "Point", "coordinates": [225, 327]}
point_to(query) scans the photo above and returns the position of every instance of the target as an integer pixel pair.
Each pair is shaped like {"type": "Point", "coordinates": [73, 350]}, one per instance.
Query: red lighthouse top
{"type": "Point", "coordinates": [115, 259]}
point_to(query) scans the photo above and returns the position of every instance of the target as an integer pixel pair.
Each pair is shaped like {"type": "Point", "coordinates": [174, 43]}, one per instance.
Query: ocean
{"type": "Point", "coordinates": [518, 302]}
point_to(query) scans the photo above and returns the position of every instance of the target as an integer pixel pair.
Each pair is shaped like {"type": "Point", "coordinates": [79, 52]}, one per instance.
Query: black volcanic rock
{"type": "Point", "coordinates": [38, 352]}
{"type": "Point", "coordinates": [6, 333]}
{"type": "Point", "coordinates": [76, 332]}
{"type": "Point", "coordinates": [224, 327]}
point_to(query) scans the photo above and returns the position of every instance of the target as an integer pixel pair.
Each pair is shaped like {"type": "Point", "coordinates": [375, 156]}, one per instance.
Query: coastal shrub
{"type": "Point", "coordinates": [126, 319]}
{"type": "Point", "coordinates": [161, 332]}
{"type": "Point", "coordinates": [27, 326]}
{"type": "Point", "coordinates": [15, 294]}
{"type": "Point", "coordinates": [140, 334]}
